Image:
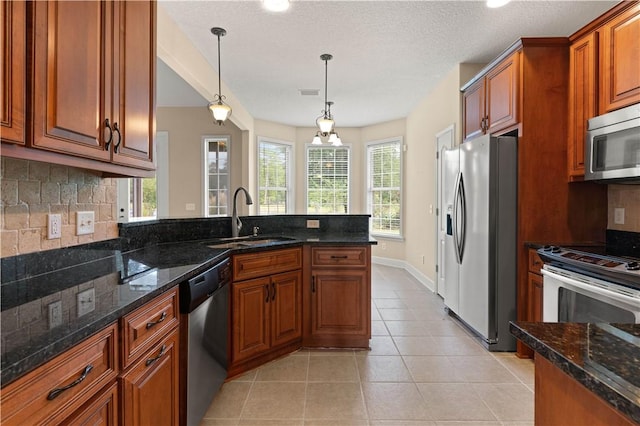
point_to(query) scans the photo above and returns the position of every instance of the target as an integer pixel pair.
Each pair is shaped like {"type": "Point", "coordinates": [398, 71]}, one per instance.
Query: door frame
{"type": "Point", "coordinates": [445, 139]}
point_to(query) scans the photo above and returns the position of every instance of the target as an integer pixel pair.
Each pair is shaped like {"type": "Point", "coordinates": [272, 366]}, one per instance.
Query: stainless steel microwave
{"type": "Point", "coordinates": [612, 150]}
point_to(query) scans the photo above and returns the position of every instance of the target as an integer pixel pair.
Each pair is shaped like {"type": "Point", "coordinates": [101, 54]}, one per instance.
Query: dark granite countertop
{"type": "Point", "coordinates": [120, 280]}
{"type": "Point", "coordinates": [604, 358]}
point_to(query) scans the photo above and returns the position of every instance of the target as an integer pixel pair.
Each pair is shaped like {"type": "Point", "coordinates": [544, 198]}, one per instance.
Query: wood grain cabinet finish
{"type": "Point", "coordinates": [55, 391]}
{"type": "Point", "coordinates": [620, 60]}
{"type": "Point", "coordinates": [150, 387]}
{"type": "Point", "coordinates": [583, 99]}
{"type": "Point", "coordinates": [90, 82]}
{"type": "Point", "coordinates": [142, 328]}
{"type": "Point", "coordinates": [254, 265]}
{"type": "Point", "coordinates": [13, 71]}
{"type": "Point", "coordinates": [101, 410]}
{"type": "Point", "coordinates": [490, 104]}
{"type": "Point", "coordinates": [338, 298]}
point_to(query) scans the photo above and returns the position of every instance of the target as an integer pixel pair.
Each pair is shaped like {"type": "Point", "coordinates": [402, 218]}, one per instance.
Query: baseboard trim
{"type": "Point", "coordinates": [395, 263]}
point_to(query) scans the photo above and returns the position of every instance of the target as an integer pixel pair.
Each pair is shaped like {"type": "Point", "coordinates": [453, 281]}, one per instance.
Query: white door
{"type": "Point", "coordinates": [444, 141]}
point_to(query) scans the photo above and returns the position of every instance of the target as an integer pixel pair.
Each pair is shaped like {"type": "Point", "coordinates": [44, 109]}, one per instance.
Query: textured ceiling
{"type": "Point", "coordinates": [387, 55]}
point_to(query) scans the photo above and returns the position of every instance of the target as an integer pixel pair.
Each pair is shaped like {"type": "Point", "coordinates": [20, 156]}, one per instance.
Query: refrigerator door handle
{"type": "Point", "coordinates": [463, 205]}
{"type": "Point", "coordinates": [456, 202]}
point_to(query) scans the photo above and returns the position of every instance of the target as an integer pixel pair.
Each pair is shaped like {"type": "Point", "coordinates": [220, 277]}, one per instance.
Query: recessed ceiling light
{"type": "Point", "coordinates": [496, 3]}
{"type": "Point", "coordinates": [276, 5]}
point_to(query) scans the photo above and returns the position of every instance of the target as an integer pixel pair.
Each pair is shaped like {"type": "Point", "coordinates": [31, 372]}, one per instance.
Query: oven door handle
{"type": "Point", "coordinates": [593, 288]}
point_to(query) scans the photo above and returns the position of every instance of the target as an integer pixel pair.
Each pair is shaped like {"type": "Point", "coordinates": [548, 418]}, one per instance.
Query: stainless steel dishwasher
{"type": "Point", "coordinates": [204, 305]}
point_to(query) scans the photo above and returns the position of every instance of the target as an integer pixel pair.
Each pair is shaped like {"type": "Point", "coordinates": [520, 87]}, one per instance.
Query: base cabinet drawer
{"type": "Point", "coordinates": [54, 391]}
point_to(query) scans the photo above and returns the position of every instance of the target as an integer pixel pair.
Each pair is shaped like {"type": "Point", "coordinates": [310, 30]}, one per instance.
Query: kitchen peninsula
{"type": "Point", "coordinates": [585, 373]}
{"type": "Point", "coordinates": [93, 294]}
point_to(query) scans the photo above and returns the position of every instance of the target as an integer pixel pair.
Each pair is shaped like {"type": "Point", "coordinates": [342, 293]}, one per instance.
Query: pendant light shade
{"type": "Point", "coordinates": [219, 109]}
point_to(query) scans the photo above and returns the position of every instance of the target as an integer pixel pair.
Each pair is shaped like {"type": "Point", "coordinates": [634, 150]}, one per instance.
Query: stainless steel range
{"type": "Point", "coordinates": [588, 284]}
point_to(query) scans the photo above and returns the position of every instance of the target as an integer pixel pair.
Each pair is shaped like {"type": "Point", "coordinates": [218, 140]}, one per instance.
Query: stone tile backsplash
{"type": "Point", "coordinates": [628, 198]}
{"type": "Point", "coordinates": [30, 190]}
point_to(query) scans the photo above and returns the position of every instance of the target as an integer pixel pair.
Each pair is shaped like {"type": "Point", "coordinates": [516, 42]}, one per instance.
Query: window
{"type": "Point", "coordinates": [216, 178]}
{"type": "Point", "coordinates": [143, 201]}
{"type": "Point", "coordinates": [328, 180]}
{"type": "Point", "coordinates": [274, 177]}
{"type": "Point", "coordinates": [384, 182]}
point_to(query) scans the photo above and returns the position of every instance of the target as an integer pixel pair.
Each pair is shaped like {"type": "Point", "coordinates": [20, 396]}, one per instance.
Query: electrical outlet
{"type": "Point", "coordinates": [86, 302]}
{"type": "Point", "coordinates": [383, 246]}
{"type": "Point", "coordinates": [313, 223]}
{"type": "Point", "coordinates": [54, 226]}
{"type": "Point", "coordinates": [190, 207]}
{"type": "Point", "coordinates": [85, 223]}
{"type": "Point", "coordinates": [55, 314]}
{"type": "Point", "coordinates": [618, 216]}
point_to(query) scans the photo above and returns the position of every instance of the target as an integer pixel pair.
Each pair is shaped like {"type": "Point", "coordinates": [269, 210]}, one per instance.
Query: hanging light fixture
{"type": "Point", "coordinates": [325, 121]}
{"type": "Point", "coordinates": [220, 110]}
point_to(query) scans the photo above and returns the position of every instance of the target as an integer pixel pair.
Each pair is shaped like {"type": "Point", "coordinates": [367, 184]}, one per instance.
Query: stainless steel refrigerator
{"type": "Point", "coordinates": [480, 203]}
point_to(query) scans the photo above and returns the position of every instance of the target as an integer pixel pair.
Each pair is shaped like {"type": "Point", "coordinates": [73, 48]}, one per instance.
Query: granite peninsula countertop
{"type": "Point", "coordinates": [604, 358]}
{"type": "Point", "coordinates": [121, 282]}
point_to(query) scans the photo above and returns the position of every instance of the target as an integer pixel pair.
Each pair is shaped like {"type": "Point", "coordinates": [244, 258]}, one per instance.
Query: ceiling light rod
{"type": "Point", "coordinates": [220, 110]}
{"type": "Point", "coordinates": [325, 121]}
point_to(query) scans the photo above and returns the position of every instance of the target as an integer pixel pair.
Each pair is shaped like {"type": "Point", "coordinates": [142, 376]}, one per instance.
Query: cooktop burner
{"type": "Point", "coordinates": [594, 262]}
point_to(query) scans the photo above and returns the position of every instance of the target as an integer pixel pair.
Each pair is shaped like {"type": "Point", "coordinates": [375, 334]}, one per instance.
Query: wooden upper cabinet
{"type": "Point", "coordinates": [13, 71]}
{"type": "Point", "coordinates": [502, 95]}
{"type": "Point", "coordinates": [620, 60]}
{"type": "Point", "coordinates": [583, 103]}
{"type": "Point", "coordinates": [473, 110]}
{"type": "Point", "coordinates": [490, 103]}
{"type": "Point", "coordinates": [135, 89]}
{"type": "Point", "coordinates": [72, 77]}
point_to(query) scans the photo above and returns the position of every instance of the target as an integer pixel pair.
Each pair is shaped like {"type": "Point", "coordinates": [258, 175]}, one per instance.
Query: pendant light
{"type": "Point", "coordinates": [219, 109]}
{"type": "Point", "coordinates": [325, 121]}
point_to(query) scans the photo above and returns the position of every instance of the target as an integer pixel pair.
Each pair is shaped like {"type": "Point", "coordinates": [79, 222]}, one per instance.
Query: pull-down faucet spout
{"type": "Point", "coordinates": [236, 224]}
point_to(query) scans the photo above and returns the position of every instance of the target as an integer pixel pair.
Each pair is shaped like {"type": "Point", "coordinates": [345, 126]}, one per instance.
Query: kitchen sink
{"type": "Point", "coordinates": [244, 242]}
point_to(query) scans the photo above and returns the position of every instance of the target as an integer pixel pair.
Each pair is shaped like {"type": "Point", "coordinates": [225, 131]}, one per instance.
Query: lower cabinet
{"type": "Point", "coordinates": [338, 299]}
{"type": "Point", "coordinates": [102, 409]}
{"type": "Point", "coordinates": [150, 387]}
{"type": "Point", "coordinates": [534, 287]}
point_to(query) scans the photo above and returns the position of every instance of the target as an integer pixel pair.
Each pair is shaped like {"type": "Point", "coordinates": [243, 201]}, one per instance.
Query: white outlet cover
{"type": "Point", "coordinates": [55, 314]}
{"type": "Point", "coordinates": [618, 216]}
{"type": "Point", "coordinates": [85, 223]}
{"type": "Point", "coordinates": [86, 302]}
{"type": "Point", "coordinates": [54, 226]}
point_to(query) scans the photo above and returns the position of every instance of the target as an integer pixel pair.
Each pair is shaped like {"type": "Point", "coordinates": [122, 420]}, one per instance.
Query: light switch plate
{"type": "Point", "coordinates": [85, 223]}
{"type": "Point", "coordinates": [54, 226]}
{"type": "Point", "coordinates": [55, 314]}
{"type": "Point", "coordinates": [313, 223]}
{"type": "Point", "coordinates": [618, 216]}
{"type": "Point", "coordinates": [86, 302]}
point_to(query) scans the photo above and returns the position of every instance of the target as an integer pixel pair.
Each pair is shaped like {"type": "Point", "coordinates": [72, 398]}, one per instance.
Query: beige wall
{"type": "Point", "coordinates": [31, 190]}
{"type": "Point", "coordinates": [628, 198]}
{"type": "Point", "coordinates": [186, 128]}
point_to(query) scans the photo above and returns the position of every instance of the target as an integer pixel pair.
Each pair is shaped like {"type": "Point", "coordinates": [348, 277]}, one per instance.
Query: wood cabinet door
{"type": "Point", "coordinates": [150, 389]}
{"type": "Point", "coordinates": [135, 84]}
{"type": "Point", "coordinates": [620, 61]}
{"type": "Point", "coordinates": [340, 302]}
{"type": "Point", "coordinates": [502, 95]}
{"type": "Point", "coordinates": [286, 307]}
{"type": "Point", "coordinates": [102, 409]}
{"type": "Point", "coordinates": [535, 297]}
{"type": "Point", "coordinates": [251, 331]}
{"type": "Point", "coordinates": [13, 71]}
{"type": "Point", "coordinates": [583, 105]}
{"type": "Point", "coordinates": [473, 110]}
{"type": "Point", "coordinates": [72, 76]}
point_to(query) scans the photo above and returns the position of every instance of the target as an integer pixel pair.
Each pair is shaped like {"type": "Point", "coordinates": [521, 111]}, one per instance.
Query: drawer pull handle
{"type": "Point", "coordinates": [54, 393]}
{"type": "Point", "coordinates": [339, 257]}
{"type": "Point", "coordinates": [266, 290]}
{"type": "Point", "coordinates": [537, 262]}
{"type": "Point", "coordinates": [107, 137]}
{"type": "Point", "coordinates": [154, 359]}
{"type": "Point", "coordinates": [162, 318]}
{"type": "Point", "coordinates": [273, 288]}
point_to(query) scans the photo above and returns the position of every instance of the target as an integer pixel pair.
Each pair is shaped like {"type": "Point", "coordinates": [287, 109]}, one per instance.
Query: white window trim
{"type": "Point", "coordinates": [290, 172]}
{"type": "Point", "coordinates": [205, 173]}
{"type": "Point", "coordinates": [349, 146]}
{"type": "Point", "coordinates": [367, 195]}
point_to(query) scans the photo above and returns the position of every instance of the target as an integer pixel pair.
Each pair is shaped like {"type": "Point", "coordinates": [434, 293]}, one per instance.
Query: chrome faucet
{"type": "Point", "coordinates": [236, 223]}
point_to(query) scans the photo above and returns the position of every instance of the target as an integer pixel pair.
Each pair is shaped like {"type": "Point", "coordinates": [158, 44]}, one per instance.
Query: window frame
{"type": "Point", "coordinates": [369, 190]}
{"type": "Point", "coordinates": [290, 171]}
{"type": "Point", "coordinates": [349, 149]}
{"type": "Point", "coordinates": [205, 172]}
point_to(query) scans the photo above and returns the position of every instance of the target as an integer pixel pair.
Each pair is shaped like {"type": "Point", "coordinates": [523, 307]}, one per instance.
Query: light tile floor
{"type": "Point", "coordinates": [423, 369]}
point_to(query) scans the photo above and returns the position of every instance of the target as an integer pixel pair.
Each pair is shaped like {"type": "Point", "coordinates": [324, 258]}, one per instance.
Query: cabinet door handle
{"type": "Point", "coordinates": [155, 358]}
{"type": "Point", "coordinates": [339, 257]}
{"type": "Point", "coordinates": [108, 136]}
{"type": "Point", "coordinates": [57, 391]}
{"type": "Point", "coordinates": [273, 291]}
{"type": "Point", "coordinates": [162, 318]}
{"type": "Point", "coordinates": [266, 290]}
{"type": "Point", "coordinates": [116, 129]}
{"type": "Point", "coordinates": [313, 284]}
